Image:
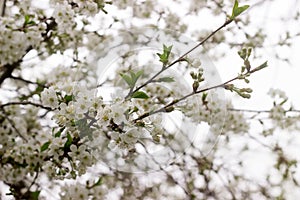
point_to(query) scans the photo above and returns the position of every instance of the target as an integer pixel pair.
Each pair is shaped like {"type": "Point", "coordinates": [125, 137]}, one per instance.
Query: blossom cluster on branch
{"type": "Point", "coordinates": [108, 100]}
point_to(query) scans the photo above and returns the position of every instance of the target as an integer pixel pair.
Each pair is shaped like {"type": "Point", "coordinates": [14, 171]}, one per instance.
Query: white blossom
{"type": "Point", "coordinates": [49, 97]}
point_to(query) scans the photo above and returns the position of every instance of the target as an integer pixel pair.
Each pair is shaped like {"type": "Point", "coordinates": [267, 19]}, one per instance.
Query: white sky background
{"type": "Point", "coordinates": [278, 75]}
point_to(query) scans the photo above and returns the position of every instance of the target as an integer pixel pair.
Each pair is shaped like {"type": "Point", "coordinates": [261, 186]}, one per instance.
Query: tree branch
{"type": "Point", "coordinates": [28, 81]}
{"type": "Point", "coordinates": [181, 58]}
{"type": "Point", "coordinates": [3, 8]}
{"type": "Point", "coordinates": [9, 68]}
{"type": "Point", "coordinates": [13, 125]}
{"type": "Point", "coordinates": [260, 111]}
{"type": "Point", "coordinates": [222, 85]}
{"type": "Point", "coordinates": [25, 103]}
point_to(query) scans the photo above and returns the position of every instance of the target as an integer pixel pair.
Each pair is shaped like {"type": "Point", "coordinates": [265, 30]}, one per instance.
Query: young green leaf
{"type": "Point", "coordinates": [132, 75]}
{"type": "Point", "coordinates": [28, 21]}
{"type": "Point", "coordinates": [167, 50]}
{"type": "Point", "coordinates": [26, 18]}
{"type": "Point", "coordinates": [236, 11]}
{"type": "Point", "coordinates": [139, 95]}
{"type": "Point", "coordinates": [135, 76]}
{"type": "Point", "coordinates": [34, 195]}
{"type": "Point", "coordinates": [166, 79]}
{"type": "Point", "coordinates": [68, 98]}
{"type": "Point", "coordinates": [45, 146]}
{"type": "Point", "coordinates": [59, 132]}
{"type": "Point", "coordinates": [138, 74]}
{"type": "Point", "coordinates": [68, 142]}
{"type": "Point", "coordinates": [132, 79]}
{"type": "Point", "coordinates": [164, 57]}
{"type": "Point", "coordinates": [127, 79]}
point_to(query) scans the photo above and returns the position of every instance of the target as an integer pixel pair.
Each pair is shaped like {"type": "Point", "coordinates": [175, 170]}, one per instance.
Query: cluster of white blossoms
{"type": "Point", "coordinates": [116, 120]}
{"type": "Point", "coordinates": [77, 191]}
{"type": "Point", "coordinates": [21, 138]}
{"type": "Point", "coordinates": [8, 133]}
{"type": "Point", "coordinates": [89, 7]}
{"type": "Point", "coordinates": [64, 17]}
{"type": "Point", "coordinates": [49, 97]}
{"type": "Point", "coordinates": [83, 192]}
{"type": "Point", "coordinates": [276, 93]}
{"type": "Point", "coordinates": [143, 9]}
{"type": "Point", "coordinates": [86, 7]}
{"type": "Point", "coordinates": [15, 41]}
{"type": "Point", "coordinates": [125, 140]}
{"type": "Point", "coordinates": [279, 113]}
{"type": "Point", "coordinates": [216, 114]}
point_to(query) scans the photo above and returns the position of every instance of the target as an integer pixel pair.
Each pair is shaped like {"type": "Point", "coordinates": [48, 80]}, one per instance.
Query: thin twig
{"type": "Point", "coordinates": [25, 103]}
{"type": "Point", "coordinates": [169, 176]}
{"type": "Point", "coordinates": [13, 126]}
{"type": "Point", "coordinates": [222, 85]}
{"type": "Point", "coordinates": [260, 111]}
{"type": "Point", "coordinates": [28, 81]}
{"type": "Point", "coordinates": [3, 8]}
{"type": "Point", "coordinates": [181, 58]}
{"type": "Point", "coordinates": [9, 68]}
{"type": "Point", "coordinates": [163, 109]}
{"type": "Point", "coordinates": [259, 142]}
{"type": "Point", "coordinates": [33, 181]}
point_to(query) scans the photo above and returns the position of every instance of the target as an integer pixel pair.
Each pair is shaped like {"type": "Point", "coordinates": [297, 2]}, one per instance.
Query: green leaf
{"type": "Point", "coordinates": [164, 57]}
{"type": "Point", "coordinates": [99, 182]}
{"type": "Point", "coordinates": [236, 5]}
{"type": "Point", "coordinates": [68, 98]}
{"type": "Point", "coordinates": [132, 79]}
{"type": "Point", "coordinates": [166, 79]}
{"type": "Point", "coordinates": [45, 146]}
{"type": "Point", "coordinates": [139, 74]}
{"type": "Point", "coordinates": [239, 10]}
{"type": "Point", "coordinates": [135, 76]}
{"type": "Point", "coordinates": [34, 195]}
{"type": "Point", "coordinates": [139, 95]}
{"type": "Point", "coordinates": [27, 18]}
{"type": "Point", "coordinates": [236, 11]}
{"type": "Point", "coordinates": [127, 79]}
{"type": "Point", "coordinates": [68, 142]}
{"type": "Point", "coordinates": [132, 75]}
{"type": "Point", "coordinates": [58, 133]}
{"type": "Point", "coordinates": [167, 50]}
{"type": "Point", "coordinates": [28, 21]}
